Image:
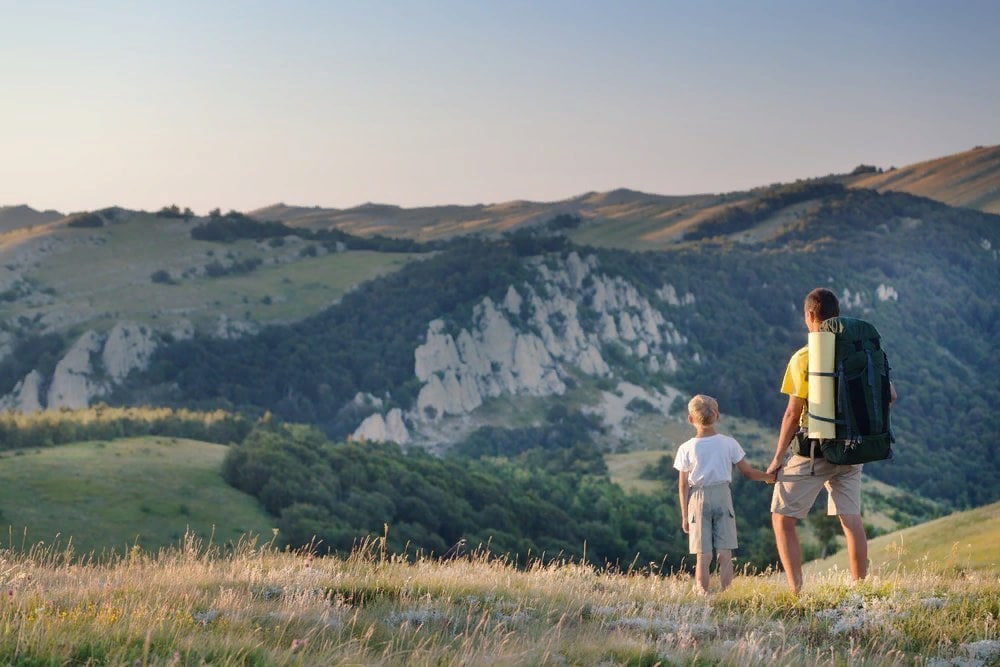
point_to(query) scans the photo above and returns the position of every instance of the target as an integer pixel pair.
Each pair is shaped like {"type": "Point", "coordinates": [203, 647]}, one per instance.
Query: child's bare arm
{"type": "Point", "coordinates": [683, 490]}
{"type": "Point", "coordinates": [752, 473]}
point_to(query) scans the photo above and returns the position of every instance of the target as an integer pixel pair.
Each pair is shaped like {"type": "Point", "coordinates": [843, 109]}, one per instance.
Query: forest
{"type": "Point", "coordinates": [550, 498]}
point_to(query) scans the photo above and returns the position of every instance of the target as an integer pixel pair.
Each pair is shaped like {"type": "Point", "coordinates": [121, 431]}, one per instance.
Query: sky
{"type": "Point", "coordinates": [239, 105]}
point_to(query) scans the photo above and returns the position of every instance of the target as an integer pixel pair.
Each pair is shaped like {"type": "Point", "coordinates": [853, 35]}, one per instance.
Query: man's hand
{"type": "Point", "coordinates": [685, 526]}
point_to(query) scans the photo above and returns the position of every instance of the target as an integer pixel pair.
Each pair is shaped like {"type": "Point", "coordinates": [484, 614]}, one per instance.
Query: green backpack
{"type": "Point", "coordinates": [861, 386]}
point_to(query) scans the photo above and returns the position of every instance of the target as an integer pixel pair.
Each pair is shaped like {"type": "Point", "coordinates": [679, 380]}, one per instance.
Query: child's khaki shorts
{"type": "Point", "coordinates": [711, 519]}
{"type": "Point", "coordinates": [797, 487]}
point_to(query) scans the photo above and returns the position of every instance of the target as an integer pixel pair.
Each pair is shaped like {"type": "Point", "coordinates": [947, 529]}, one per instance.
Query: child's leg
{"type": "Point", "coordinates": [701, 570]}
{"type": "Point", "coordinates": [725, 567]}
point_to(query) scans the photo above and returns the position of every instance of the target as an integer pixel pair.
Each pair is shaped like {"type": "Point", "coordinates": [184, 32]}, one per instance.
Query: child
{"type": "Point", "coordinates": [706, 464]}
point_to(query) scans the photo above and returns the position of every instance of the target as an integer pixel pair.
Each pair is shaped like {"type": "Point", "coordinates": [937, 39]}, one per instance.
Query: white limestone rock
{"type": "Point", "coordinates": [395, 428]}
{"type": "Point", "coordinates": [609, 329]}
{"type": "Point", "coordinates": [72, 386]}
{"type": "Point", "coordinates": [626, 328]}
{"type": "Point", "coordinates": [887, 293]}
{"type": "Point", "coordinates": [26, 396]}
{"type": "Point", "coordinates": [372, 429]}
{"type": "Point", "coordinates": [229, 329]}
{"type": "Point", "coordinates": [668, 293]}
{"type": "Point", "coordinates": [850, 300]}
{"type": "Point", "coordinates": [437, 353]}
{"type": "Point", "coordinates": [512, 301]}
{"type": "Point", "coordinates": [363, 400]}
{"type": "Point", "coordinates": [377, 428]}
{"type": "Point", "coordinates": [182, 330]}
{"type": "Point", "coordinates": [591, 362]}
{"type": "Point", "coordinates": [497, 354]}
{"type": "Point", "coordinates": [128, 347]}
{"type": "Point", "coordinates": [495, 333]}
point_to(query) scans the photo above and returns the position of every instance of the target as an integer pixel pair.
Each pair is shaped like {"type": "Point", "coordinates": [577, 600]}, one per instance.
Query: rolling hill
{"type": "Point", "coordinates": [970, 179]}
{"type": "Point", "coordinates": [958, 543]}
{"type": "Point", "coordinates": [17, 217]}
{"type": "Point", "coordinates": [641, 221]}
{"type": "Point", "coordinates": [103, 496]}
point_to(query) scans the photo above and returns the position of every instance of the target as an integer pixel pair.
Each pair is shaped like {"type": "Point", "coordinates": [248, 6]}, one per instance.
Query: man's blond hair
{"type": "Point", "coordinates": [704, 410]}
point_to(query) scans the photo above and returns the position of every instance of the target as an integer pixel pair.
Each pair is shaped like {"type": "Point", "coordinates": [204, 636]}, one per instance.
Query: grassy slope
{"type": "Point", "coordinates": [99, 276]}
{"type": "Point", "coordinates": [642, 221]}
{"type": "Point", "coordinates": [111, 495]}
{"type": "Point", "coordinates": [970, 179]}
{"type": "Point", "coordinates": [959, 542]}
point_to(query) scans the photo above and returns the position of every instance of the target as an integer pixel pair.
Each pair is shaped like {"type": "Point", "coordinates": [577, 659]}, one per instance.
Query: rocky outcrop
{"type": "Point", "coordinates": [88, 371]}
{"type": "Point", "coordinates": [526, 344]}
{"type": "Point", "coordinates": [229, 329]}
{"type": "Point", "coordinates": [377, 428]}
{"type": "Point", "coordinates": [887, 293]}
{"type": "Point", "coordinates": [127, 347]}
{"type": "Point", "coordinates": [26, 394]}
{"type": "Point", "coordinates": [73, 384]}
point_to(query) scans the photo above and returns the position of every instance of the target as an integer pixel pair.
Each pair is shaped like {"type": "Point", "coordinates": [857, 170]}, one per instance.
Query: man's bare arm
{"type": "Point", "coordinates": [789, 425]}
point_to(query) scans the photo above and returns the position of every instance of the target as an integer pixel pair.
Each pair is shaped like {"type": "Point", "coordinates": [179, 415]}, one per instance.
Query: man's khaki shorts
{"type": "Point", "coordinates": [711, 519]}
{"type": "Point", "coordinates": [797, 487]}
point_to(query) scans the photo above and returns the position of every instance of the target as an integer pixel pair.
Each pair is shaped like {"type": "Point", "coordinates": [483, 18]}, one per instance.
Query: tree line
{"type": "Point", "coordinates": [47, 428]}
{"type": "Point", "coordinates": [331, 494]}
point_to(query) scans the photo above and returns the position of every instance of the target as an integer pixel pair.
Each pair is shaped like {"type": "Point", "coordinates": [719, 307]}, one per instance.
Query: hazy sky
{"type": "Point", "coordinates": [243, 104]}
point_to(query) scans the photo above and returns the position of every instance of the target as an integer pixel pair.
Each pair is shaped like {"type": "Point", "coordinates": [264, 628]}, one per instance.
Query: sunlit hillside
{"type": "Point", "coordinates": [106, 495]}
{"type": "Point", "coordinates": [620, 218]}
{"type": "Point", "coordinates": [959, 543]}
{"type": "Point", "coordinates": [148, 269]}
{"type": "Point", "coordinates": [970, 179]}
{"type": "Point", "coordinates": [642, 221]}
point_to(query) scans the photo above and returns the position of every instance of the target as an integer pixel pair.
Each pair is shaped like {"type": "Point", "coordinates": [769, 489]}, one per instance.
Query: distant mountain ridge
{"type": "Point", "coordinates": [620, 218]}
{"type": "Point", "coordinates": [16, 217]}
{"type": "Point", "coordinates": [641, 221]}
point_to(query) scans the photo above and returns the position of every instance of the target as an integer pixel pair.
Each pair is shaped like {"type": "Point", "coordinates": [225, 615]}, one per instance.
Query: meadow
{"type": "Point", "coordinates": [113, 495]}
{"type": "Point", "coordinates": [196, 603]}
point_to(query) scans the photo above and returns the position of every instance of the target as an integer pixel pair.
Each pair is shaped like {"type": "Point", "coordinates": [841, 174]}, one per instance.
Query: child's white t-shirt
{"type": "Point", "coordinates": [709, 460]}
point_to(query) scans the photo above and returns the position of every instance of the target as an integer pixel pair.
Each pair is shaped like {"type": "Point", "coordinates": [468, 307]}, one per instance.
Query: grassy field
{"type": "Point", "coordinates": [114, 495]}
{"type": "Point", "coordinates": [956, 544]}
{"type": "Point", "coordinates": [256, 606]}
{"type": "Point", "coordinates": [95, 277]}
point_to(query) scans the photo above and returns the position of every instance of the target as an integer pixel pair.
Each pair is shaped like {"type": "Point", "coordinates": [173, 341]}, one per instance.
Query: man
{"type": "Point", "coordinates": [800, 479]}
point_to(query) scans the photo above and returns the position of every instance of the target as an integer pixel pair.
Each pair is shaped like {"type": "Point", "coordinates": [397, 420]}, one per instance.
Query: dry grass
{"type": "Point", "coordinates": [967, 179]}
{"type": "Point", "coordinates": [193, 605]}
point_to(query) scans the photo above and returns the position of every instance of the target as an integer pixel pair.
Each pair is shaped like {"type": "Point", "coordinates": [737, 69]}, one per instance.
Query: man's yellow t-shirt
{"type": "Point", "coordinates": [796, 380]}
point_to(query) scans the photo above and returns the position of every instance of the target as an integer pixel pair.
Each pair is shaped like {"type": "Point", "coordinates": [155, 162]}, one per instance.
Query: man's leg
{"type": "Point", "coordinates": [857, 545]}
{"type": "Point", "coordinates": [725, 557]}
{"type": "Point", "coordinates": [787, 539]}
{"type": "Point", "coordinates": [701, 570]}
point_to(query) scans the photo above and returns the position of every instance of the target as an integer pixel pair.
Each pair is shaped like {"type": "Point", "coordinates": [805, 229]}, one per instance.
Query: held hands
{"type": "Point", "coordinates": [772, 471]}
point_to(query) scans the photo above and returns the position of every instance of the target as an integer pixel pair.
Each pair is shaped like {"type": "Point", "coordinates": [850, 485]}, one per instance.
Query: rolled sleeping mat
{"type": "Point", "coordinates": [822, 400]}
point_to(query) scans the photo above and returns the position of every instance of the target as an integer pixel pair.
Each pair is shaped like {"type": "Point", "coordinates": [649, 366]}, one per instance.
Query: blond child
{"type": "Point", "coordinates": [705, 463]}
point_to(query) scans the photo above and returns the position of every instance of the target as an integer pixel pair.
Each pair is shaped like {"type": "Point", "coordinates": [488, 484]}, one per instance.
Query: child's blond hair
{"type": "Point", "coordinates": [704, 410]}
